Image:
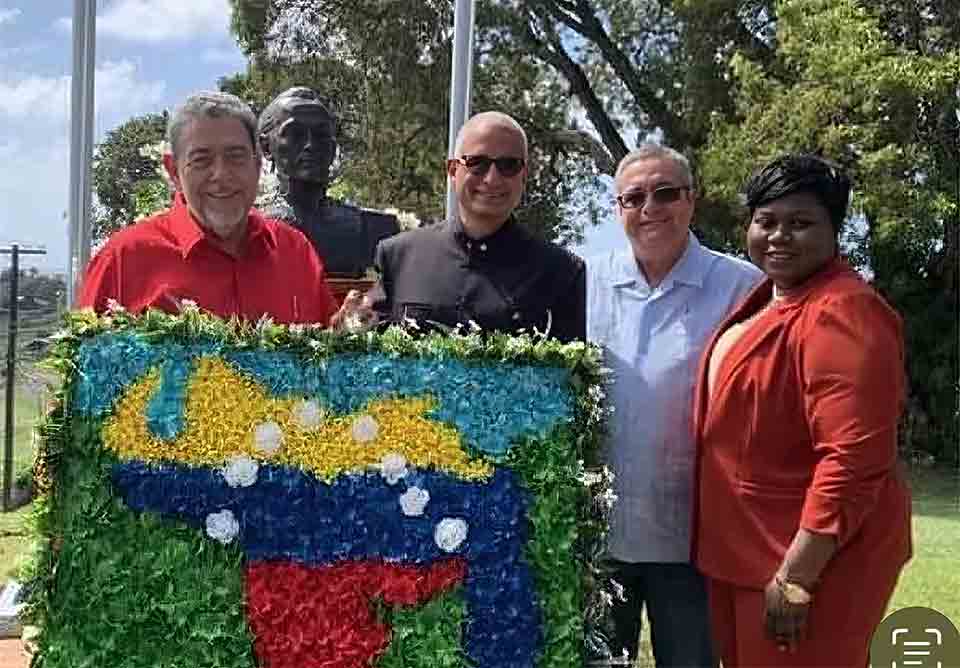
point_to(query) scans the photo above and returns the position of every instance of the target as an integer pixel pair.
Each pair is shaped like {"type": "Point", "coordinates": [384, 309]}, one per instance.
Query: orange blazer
{"type": "Point", "coordinates": [801, 431]}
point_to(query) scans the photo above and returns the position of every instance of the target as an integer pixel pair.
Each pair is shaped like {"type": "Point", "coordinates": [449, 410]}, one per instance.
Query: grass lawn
{"type": "Point", "coordinates": [932, 578]}
{"type": "Point", "coordinates": [27, 409]}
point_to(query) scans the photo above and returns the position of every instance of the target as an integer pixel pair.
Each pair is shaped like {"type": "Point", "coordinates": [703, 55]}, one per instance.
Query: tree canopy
{"type": "Point", "coordinates": [125, 176]}
{"type": "Point", "coordinates": [875, 89]}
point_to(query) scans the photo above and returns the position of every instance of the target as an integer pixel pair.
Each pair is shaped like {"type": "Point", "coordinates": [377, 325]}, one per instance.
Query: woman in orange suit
{"type": "Point", "coordinates": [802, 520]}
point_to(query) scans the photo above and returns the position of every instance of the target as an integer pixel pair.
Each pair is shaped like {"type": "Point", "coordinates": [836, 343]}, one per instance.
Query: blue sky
{"type": "Point", "coordinates": [150, 55]}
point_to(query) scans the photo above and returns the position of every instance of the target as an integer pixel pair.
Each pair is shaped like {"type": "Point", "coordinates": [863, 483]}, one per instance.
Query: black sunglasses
{"type": "Point", "coordinates": [637, 198]}
{"type": "Point", "coordinates": [478, 165]}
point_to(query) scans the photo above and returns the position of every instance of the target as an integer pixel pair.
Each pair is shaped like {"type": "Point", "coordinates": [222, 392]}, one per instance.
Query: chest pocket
{"type": "Point", "coordinates": [676, 337]}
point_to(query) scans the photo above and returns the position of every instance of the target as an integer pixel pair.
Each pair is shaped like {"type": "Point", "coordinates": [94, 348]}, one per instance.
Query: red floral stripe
{"type": "Point", "coordinates": [324, 616]}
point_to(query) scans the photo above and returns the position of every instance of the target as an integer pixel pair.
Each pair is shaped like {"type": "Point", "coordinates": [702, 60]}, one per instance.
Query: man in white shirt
{"type": "Point", "coordinates": [652, 307]}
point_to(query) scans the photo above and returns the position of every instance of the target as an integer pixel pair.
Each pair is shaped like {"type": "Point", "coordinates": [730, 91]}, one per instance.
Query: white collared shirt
{"type": "Point", "coordinates": [652, 340]}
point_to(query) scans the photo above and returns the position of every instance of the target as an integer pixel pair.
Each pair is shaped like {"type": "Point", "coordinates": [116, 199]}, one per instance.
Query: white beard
{"type": "Point", "coordinates": [224, 223]}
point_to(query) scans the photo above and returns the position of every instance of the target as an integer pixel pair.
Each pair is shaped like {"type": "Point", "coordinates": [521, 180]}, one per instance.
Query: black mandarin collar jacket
{"type": "Point", "coordinates": [508, 281]}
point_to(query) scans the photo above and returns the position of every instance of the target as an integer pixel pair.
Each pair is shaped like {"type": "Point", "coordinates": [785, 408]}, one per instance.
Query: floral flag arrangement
{"type": "Point", "coordinates": [224, 494]}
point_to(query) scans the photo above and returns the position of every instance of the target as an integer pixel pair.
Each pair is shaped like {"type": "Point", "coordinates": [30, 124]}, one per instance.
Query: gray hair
{"type": "Point", "coordinates": [494, 118]}
{"type": "Point", "coordinates": [650, 150]}
{"type": "Point", "coordinates": [210, 104]}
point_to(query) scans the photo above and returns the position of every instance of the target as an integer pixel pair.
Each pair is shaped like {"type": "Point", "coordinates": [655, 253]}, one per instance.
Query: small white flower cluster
{"type": "Point", "coordinates": [222, 526]}
{"type": "Point", "coordinates": [241, 471]}
{"type": "Point", "coordinates": [365, 429]}
{"type": "Point", "coordinates": [414, 501]}
{"type": "Point", "coordinates": [393, 467]}
{"type": "Point", "coordinates": [268, 437]}
{"type": "Point", "coordinates": [308, 414]}
{"type": "Point", "coordinates": [450, 533]}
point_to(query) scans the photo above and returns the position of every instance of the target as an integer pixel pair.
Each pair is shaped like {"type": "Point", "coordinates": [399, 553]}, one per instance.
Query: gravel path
{"type": "Point", "coordinates": [12, 655]}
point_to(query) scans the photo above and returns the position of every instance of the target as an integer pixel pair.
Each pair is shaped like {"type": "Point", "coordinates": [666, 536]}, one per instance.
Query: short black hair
{"type": "Point", "coordinates": [801, 172]}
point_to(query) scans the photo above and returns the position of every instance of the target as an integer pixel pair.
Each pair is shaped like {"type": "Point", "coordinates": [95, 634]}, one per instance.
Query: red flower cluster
{"type": "Point", "coordinates": [324, 617]}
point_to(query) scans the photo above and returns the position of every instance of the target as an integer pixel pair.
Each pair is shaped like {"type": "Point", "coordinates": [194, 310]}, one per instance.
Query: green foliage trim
{"type": "Point", "coordinates": [428, 636]}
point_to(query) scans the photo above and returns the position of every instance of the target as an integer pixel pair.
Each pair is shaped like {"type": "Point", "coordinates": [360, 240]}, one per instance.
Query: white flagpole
{"type": "Point", "coordinates": [460, 83]}
{"type": "Point", "coordinates": [81, 141]}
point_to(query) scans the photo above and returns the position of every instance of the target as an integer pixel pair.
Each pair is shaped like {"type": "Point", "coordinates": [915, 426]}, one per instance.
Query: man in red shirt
{"type": "Point", "coordinates": [211, 247]}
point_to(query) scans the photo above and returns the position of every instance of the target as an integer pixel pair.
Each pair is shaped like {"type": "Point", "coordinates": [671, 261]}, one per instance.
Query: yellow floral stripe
{"type": "Point", "coordinates": [224, 407]}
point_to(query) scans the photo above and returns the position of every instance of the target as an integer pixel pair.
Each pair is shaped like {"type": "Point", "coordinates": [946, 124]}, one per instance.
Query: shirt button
{"type": "Point", "coordinates": [516, 315]}
{"type": "Point", "coordinates": [483, 247]}
{"type": "Point", "coordinates": [469, 245]}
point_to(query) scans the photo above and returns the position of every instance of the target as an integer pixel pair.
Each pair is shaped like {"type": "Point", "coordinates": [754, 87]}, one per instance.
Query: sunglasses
{"type": "Point", "coordinates": [479, 165]}
{"type": "Point", "coordinates": [637, 198]}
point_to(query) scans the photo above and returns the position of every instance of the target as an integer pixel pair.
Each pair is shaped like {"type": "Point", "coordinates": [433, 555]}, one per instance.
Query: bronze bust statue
{"type": "Point", "coordinates": [297, 135]}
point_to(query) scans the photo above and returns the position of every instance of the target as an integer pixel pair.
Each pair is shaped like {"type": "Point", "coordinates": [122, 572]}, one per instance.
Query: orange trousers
{"type": "Point", "coordinates": [840, 626]}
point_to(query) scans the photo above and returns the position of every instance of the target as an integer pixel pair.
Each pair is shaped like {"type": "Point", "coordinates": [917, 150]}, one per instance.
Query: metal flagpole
{"type": "Point", "coordinates": [460, 83]}
{"type": "Point", "coordinates": [81, 140]}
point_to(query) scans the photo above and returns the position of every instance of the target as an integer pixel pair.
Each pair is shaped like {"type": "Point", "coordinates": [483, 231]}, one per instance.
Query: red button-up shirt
{"type": "Point", "coordinates": [168, 257]}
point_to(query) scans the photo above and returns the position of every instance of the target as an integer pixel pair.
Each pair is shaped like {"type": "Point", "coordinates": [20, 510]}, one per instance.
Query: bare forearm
{"type": "Point", "coordinates": [807, 556]}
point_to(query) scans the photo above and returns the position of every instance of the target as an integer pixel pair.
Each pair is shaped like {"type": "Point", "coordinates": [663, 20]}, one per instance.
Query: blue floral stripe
{"type": "Point", "coordinates": [289, 515]}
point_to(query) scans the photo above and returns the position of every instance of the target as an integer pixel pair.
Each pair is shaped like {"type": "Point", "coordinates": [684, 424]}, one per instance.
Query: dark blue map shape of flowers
{"type": "Point", "coordinates": [491, 405]}
{"type": "Point", "coordinates": [288, 515]}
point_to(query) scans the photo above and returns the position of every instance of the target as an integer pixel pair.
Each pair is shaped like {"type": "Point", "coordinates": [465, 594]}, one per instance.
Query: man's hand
{"type": "Point", "coordinates": [355, 315]}
{"type": "Point", "coordinates": [784, 622]}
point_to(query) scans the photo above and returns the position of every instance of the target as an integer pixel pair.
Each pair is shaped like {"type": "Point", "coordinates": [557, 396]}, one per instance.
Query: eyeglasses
{"type": "Point", "coordinates": [635, 199]}
{"type": "Point", "coordinates": [478, 165]}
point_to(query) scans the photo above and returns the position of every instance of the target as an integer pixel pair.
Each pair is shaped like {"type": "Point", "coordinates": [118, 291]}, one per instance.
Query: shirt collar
{"type": "Point", "coordinates": [504, 241]}
{"type": "Point", "coordinates": [188, 232]}
{"type": "Point", "coordinates": [689, 269]}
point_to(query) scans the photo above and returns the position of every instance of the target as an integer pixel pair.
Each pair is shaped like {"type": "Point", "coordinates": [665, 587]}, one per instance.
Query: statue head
{"type": "Point", "coordinates": [297, 134]}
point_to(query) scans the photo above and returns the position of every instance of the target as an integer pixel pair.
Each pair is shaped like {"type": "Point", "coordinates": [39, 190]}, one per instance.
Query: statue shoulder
{"type": "Point", "coordinates": [426, 239]}
{"type": "Point", "coordinates": [380, 221]}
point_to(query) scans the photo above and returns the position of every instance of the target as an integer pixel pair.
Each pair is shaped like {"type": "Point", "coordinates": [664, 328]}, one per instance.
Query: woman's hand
{"type": "Point", "coordinates": [785, 621]}
{"type": "Point", "coordinates": [787, 598]}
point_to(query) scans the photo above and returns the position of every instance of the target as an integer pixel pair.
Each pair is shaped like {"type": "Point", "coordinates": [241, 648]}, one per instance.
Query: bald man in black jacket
{"type": "Point", "coordinates": [483, 267]}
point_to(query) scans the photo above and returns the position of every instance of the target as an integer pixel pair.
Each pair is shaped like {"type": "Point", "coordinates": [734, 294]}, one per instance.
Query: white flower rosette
{"type": "Point", "coordinates": [268, 437]}
{"type": "Point", "coordinates": [308, 414]}
{"type": "Point", "coordinates": [393, 467]}
{"type": "Point", "coordinates": [365, 429]}
{"type": "Point", "coordinates": [450, 533]}
{"type": "Point", "coordinates": [414, 501]}
{"type": "Point", "coordinates": [223, 526]}
{"type": "Point", "coordinates": [241, 471]}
